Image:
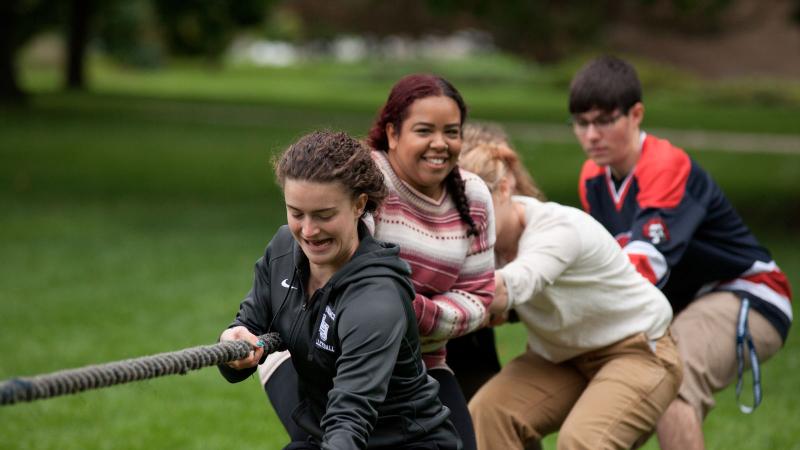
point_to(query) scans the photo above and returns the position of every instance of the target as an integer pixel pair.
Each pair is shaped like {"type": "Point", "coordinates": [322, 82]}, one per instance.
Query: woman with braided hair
{"type": "Point", "coordinates": [442, 219]}
{"type": "Point", "coordinates": [341, 302]}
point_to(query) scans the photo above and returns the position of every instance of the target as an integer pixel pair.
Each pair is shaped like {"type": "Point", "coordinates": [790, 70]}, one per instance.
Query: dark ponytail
{"type": "Point", "coordinates": [455, 186]}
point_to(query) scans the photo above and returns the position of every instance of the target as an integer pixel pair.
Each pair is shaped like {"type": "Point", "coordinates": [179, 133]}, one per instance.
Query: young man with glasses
{"type": "Point", "coordinates": [728, 296]}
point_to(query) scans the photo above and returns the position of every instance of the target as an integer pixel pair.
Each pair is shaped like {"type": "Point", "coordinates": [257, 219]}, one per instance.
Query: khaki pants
{"type": "Point", "coordinates": [606, 398]}
{"type": "Point", "coordinates": [705, 333]}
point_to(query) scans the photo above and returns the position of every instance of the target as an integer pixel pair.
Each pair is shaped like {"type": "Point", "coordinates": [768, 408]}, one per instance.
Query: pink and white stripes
{"type": "Point", "coordinates": [453, 274]}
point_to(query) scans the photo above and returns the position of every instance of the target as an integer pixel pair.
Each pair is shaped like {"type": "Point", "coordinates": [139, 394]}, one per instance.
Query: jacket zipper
{"type": "Point", "coordinates": [300, 319]}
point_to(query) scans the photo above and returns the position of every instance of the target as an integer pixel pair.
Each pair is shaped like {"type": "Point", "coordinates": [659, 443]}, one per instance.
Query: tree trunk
{"type": "Point", "coordinates": [77, 41]}
{"type": "Point", "coordinates": [9, 88]}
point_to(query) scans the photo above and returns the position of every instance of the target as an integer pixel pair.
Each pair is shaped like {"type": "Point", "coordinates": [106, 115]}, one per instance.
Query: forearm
{"type": "Point", "coordinates": [500, 304]}
{"type": "Point", "coordinates": [451, 314]}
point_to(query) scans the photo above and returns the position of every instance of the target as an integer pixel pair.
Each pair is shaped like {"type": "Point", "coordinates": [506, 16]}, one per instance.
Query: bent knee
{"type": "Point", "coordinates": [482, 404]}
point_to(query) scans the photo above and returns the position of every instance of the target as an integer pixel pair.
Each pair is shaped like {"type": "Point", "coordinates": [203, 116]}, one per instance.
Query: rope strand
{"type": "Point", "coordinates": [72, 381]}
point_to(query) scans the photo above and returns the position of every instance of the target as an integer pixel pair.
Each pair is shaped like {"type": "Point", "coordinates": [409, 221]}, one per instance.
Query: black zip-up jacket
{"type": "Point", "coordinates": [354, 344]}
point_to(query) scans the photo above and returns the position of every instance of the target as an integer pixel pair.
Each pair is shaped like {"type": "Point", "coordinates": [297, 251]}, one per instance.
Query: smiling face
{"type": "Point", "coordinates": [426, 148]}
{"type": "Point", "coordinates": [323, 219]}
{"type": "Point", "coordinates": [610, 138]}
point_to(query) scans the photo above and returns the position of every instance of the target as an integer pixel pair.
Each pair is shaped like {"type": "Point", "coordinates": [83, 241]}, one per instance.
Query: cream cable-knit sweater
{"type": "Point", "coordinates": [574, 288]}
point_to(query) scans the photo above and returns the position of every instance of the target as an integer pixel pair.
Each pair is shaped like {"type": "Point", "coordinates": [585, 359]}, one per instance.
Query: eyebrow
{"type": "Point", "coordinates": [599, 113]}
{"type": "Point", "coordinates": [429, 124]}
{"type": "Point", "coordinates": [332, 208]}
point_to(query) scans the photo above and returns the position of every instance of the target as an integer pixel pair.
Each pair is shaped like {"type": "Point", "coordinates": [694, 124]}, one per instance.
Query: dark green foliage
{"type": "Point", "coordinates": [541, 30]}
{"type": "Point", "coordinates": [206, 27]}
{"type": "Point", "coordinates": [19, 20]}
{"type": "Point", "coordinates": [126, 32]}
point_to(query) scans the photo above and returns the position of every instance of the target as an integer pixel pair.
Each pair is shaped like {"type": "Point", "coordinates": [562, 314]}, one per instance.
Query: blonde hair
{"type": "Point", "coordinates": [482, 133]}
{"type": "Point", "coordinates": [487, 153]}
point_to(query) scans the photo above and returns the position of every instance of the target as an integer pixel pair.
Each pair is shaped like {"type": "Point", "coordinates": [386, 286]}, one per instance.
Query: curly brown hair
{"type": "Point", "coordinates": [329, 156]}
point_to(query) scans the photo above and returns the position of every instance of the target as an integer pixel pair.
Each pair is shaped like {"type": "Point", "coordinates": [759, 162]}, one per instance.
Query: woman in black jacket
{"type": "Point", "coordinates": [341, 302]}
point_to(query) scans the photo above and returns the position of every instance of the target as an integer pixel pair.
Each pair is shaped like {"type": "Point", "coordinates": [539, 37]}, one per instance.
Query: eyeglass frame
{"type": "Point", "coordinates": [601, 123]}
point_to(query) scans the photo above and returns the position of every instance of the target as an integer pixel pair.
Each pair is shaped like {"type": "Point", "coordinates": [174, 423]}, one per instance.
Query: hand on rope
{"type": "Point", "coordinates": [241, 333]}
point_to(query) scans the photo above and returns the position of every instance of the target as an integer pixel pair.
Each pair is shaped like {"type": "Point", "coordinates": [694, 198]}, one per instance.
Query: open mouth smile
{"type": "Point", "coordinates": [318, 244]}
{"type": "Point", "coordinates": [436, 160]}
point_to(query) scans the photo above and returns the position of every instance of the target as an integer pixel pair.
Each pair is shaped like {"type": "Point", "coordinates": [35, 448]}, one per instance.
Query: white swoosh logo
{"type": "Point", "coordinates": [285, 283]}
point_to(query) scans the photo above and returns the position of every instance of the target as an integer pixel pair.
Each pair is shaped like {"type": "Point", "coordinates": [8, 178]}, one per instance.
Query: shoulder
{"type": "Point", "coordinates": [475, 188]}
{"type": "Point", "coordinates": [590, 170]}
{"type": "Point", "coordinates": [552, 218]}
{"type": "Point", "coordinates": [278, 251]}
{"type": "Point", "coordinates": [375, 300]}
{"type": "Point", "coordinates": [660, 152]}
{"type": "Point", "coordinates": [537, 210]}
{"type": "Point", "coordinates": [481, 207]}
{"type": "Point", "coordinates": [282, 242]}
{"type": "Point", "coordinates": [382, 160]}
{"type": "Point", "coordinates": [661, 174]}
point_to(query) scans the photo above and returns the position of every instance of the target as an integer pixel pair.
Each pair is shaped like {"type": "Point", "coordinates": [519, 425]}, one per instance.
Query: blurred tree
{"type": "Point", "coordinates": [687, 16]}
{"type": "Point", "coordinates": [206, 27]}
{"type": "Point", "coordinates": [19, 21]}
{"type": "Point", "coordinates": [796, 12]}
{"type": "Point", "coordinates": [323, 19]}
{"type": "Point", "coordinates": [543, 30]}
{"type": "Point", "coordinates": [80, 15]}
{"type": "Point", "coordinates": [190, 27]}
{"type": "Point", "coordinates": [127, 32]}
{"type": "Point", "coordinates": [22, 19]}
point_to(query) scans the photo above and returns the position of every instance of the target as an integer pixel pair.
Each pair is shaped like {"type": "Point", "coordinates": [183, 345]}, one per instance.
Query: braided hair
{"type": "Point", "coordinates": [405, 92]}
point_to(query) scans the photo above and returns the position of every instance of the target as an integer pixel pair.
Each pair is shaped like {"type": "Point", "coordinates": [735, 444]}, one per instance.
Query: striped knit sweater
{"type": "Point", "coordinates": [453, 274]}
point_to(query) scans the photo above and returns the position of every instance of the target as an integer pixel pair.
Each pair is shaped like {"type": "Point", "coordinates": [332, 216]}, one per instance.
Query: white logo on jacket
{"type": "Point", "coordinates": [324, 327]}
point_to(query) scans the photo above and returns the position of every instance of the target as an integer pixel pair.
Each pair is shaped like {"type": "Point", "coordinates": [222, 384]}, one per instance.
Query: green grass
{"type": "Point", "coordinates": [495, 86]}
{"type": "Point", "coordinates": [130, 220]}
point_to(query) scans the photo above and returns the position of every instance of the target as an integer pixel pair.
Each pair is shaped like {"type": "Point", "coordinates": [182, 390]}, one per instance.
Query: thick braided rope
{"type": "Point", "coordinates": [97, 376]}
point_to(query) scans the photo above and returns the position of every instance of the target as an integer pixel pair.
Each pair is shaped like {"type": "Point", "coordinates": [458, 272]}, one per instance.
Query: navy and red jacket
{"type": "Point", "coordinates": [681, 232]}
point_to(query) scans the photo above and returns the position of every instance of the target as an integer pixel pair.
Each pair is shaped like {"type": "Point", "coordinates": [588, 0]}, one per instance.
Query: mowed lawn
{"type": "Point", "coordinates": [130, 221]}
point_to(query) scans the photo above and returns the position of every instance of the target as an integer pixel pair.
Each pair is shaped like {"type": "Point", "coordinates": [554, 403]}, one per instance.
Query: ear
{"type": "Point", "coordinates": [360, 204]}
{"type": "Point", "coordinates": [636, 113]}
{"type": "Point", "coordinates": [391, 136]}
{"type": "Point", "coordinates": [504, 188]}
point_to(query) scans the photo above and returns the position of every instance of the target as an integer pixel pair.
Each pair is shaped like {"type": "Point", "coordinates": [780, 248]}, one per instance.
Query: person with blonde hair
{"type": "Point", "coordinates": [600, 366]}
{"type": "Point", "coordinates": [477, 134]}
{"type": "Point", "coordinates": [473, 357]}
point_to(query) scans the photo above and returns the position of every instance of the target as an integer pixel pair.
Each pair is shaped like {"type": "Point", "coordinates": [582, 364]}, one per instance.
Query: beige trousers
{"type": "Point", "coordinates": [705, 333]}
{"type": "Point", "coordinates": [606, 398]}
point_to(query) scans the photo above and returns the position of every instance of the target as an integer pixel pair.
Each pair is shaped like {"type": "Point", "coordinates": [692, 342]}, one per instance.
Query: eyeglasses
{"type": "Point", "coordinates": [601, 123]}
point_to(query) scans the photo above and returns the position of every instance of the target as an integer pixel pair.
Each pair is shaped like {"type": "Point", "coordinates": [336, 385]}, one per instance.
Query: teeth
{"type": "Point", "coordinates": [436, 160]}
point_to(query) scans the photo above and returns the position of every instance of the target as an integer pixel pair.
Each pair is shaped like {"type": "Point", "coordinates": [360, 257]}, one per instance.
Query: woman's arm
{"type": "Point", "coordinates": [464, 307]}
{"type": "Point", "coordinates": [251, 321]}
